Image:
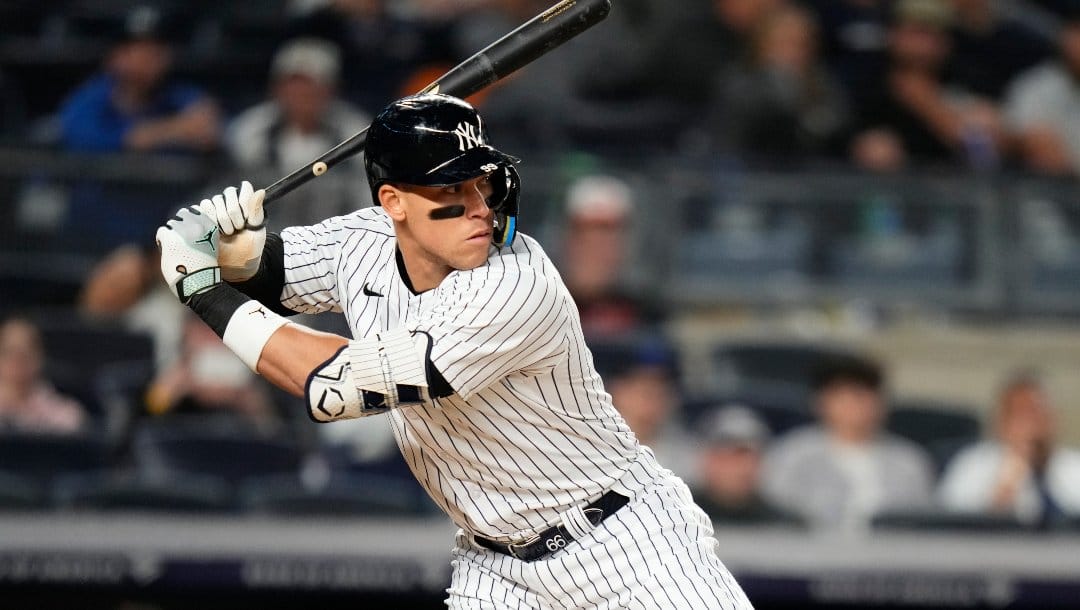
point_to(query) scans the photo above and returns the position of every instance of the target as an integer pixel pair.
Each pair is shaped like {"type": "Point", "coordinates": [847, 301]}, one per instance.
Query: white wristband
{"type": "Point", "coordinates": [249, 329]}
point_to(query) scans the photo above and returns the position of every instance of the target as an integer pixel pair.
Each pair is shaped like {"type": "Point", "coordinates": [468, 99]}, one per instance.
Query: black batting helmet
{"type": "Point", "coordinates": [437, 140]}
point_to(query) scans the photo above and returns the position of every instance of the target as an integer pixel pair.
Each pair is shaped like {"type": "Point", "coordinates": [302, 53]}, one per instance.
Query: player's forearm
{"type": "Point", "coordinates": [286, 354]}
{"type": "Point", "coordinates": [1044, 151]}
{"type": "Point", "coordinates": [293, 352]}
{"type": "Point", "coordinates": [944, 121]}
{"type": "Point", "coordinates": [201, 125]}
{"type": "Point", "coordinates": [196, 127]}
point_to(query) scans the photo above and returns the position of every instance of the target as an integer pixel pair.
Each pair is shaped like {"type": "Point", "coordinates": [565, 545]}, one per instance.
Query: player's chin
{"type": "Point", "coordinates": [475, 256]}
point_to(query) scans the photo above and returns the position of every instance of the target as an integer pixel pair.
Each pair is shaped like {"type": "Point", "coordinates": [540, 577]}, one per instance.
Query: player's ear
{"type": "Point", "coordinates": [391, 201]}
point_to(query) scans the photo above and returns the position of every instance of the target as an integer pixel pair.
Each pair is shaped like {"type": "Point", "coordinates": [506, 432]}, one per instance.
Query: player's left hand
{"type": "Point", "coordinates": [189, 244]}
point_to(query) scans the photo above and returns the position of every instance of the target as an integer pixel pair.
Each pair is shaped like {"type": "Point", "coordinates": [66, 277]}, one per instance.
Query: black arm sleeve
{"type": "Point", "coordinates": [266, 285]}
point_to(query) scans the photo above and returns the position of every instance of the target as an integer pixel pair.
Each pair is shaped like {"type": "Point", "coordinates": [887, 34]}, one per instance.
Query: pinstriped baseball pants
{"type": "Point", "coordinates": [658, 551]}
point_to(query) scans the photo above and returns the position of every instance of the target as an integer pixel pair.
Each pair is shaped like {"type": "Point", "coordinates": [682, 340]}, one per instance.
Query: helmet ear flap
{"type": "Point", "coordinates": [504, 202]}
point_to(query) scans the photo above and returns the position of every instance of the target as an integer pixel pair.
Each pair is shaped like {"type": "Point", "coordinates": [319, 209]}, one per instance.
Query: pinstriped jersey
{"type": "Point", "coordinates": [529, 431]}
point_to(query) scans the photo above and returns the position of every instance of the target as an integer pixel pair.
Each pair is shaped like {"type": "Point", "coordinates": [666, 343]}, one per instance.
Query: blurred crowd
{"type": "Point", "coordinates": [882, 84]}
{"type": "Point", "coordinates": [878, 85]}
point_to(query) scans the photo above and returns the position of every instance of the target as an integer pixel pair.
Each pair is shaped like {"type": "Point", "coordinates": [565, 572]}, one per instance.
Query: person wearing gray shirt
{"type": "Point", "coordinates": [1042, 108]}
{"type": "Point", "coordinates": [843, 471]}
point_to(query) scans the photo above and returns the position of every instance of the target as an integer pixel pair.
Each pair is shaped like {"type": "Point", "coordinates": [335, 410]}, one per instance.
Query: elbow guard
{"type": "Point", "coordinates": [370, 376]}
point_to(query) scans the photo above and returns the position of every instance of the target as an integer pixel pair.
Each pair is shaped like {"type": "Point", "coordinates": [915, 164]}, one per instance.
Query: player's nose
{"type": "Point", "coordinates": [475, 203]}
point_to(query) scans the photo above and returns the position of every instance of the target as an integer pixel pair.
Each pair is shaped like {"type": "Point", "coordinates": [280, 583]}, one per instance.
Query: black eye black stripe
{"type": "Point", "coordinates": [450, 211]}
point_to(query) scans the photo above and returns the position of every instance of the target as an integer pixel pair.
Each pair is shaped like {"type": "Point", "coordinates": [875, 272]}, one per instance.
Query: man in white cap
{"type": "Point", "coordinates": [594, 259]}
{"type": "Point", "coordinates": [303, 118]}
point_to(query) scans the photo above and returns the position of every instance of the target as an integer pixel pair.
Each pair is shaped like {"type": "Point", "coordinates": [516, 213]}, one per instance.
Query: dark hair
{"type": "Point", "coordinates": [147, 22]}
{"type": "Point", "coordinates": [616, 358]}
{"type": "Point", "coordinates": [850, 369]}
{"type": "Point", "coordinates": [1069, 12]}
{"type": "Point", "coordinates": [1019, 379]}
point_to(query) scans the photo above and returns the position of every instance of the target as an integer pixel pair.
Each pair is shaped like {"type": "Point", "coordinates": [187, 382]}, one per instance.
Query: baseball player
{"type": "Point", "coordinates": [466, 337]}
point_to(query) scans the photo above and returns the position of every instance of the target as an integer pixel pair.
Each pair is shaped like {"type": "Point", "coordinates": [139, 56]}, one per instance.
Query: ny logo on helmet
{"type": "Point", "coordinates": [467, 136]}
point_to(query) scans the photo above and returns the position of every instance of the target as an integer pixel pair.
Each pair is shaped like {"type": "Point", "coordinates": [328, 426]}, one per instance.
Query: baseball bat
{"type": "Point", "coordinates": [520, 47]}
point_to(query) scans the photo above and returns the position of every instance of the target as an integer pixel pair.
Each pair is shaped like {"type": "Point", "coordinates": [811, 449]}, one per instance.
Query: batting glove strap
{"type": "Point", "coordinates": [188, 243]}
{"type": "Point", "coordinates": [199, 281]}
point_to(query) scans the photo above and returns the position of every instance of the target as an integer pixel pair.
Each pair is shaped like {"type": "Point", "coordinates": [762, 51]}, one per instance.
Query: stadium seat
{"type": "Point", "coordinates": [47, 456]}
{"type": "Point", "coordinates": [942, 521]}
{"type": "Point", "coordinates": [119, 389]}
{"type": "Point", "coordinates": [789, 365]}
{"type": "Point", "coordinates": [342, 494]}
{"type": "Point", "coordinates": [88, 361]}
{"type": "Point", "coordinates": [76, 342]}
{"type": "Point", "coordinates": [212, 450]}
{"type": "Point", "coordinates": [41, 278]}
{"type": "Point", "coordinates": [941, 429]}
{"type": "Point", "coordinates": [126, 491]}
{"type": "Point", "coordinates": [780, 411]}
{"type": "Point", "coordinates": [20, 493]}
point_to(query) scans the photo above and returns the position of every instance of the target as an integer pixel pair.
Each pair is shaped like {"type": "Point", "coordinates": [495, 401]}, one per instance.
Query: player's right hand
{"type": "Point", "coordinates": [239, 216]}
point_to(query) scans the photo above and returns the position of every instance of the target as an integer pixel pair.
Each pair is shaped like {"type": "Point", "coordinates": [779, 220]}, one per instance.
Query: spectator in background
{"type": "Point", "coordinates": [909, 115]}
{"type": "Point", "coordinates": [594, 253]}
{"type": "Point", "coordinates": [28, 402]}
{"type": "Point", "coordinates": [734, 441]}
{"type": "Point", "coordinates": [622, 89]}
{"type": "Point", "coordinates": [303, 119]}
{"type": "Point", "coordinates": [380, 48]}
{"type": "Point", "coordinates": [134, 104]}
{"type": "Point", "coordinates": [1041, 108]}
{"type": "Point", "coordinates": [125, 286]}
{"type": "Point", "coordinates": [1023, 473]}
{"type": "Point", "coordinates": [639, 77]}
{"type": "Point", "coordinates": [842, 472]}
{"type": "Point", "coordinates": [990, 49]}
{"type": "Point", "coordinates": [641, 376]}
{"type": "Point", "coordinates": [781, 103]}
{"type": "Point", "coordinates": [209, 379]}
{"type": "Point", "coordinates": [854, 37]}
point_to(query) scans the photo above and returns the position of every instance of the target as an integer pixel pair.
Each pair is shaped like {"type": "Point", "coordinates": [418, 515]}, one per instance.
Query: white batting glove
{"type": "Point", "coordinates": [240, 217]}
{"type": "Point", "coordinates": [189, 244]}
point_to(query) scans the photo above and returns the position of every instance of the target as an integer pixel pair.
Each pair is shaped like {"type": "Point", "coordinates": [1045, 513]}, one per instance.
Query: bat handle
{"type": "Point", "coordinates": [316, 168]}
